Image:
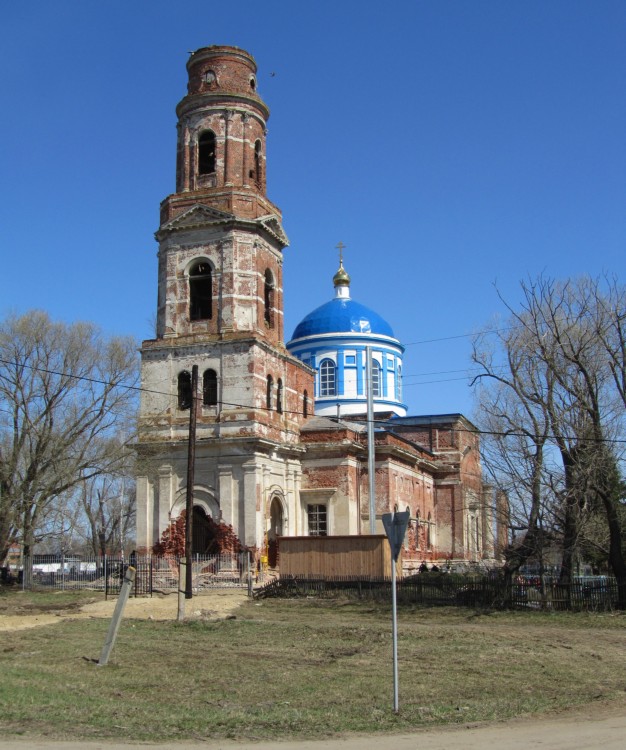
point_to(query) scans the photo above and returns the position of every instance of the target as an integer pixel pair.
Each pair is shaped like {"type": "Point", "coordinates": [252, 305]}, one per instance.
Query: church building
{"type": "Point", "coordinates": [281, 443]}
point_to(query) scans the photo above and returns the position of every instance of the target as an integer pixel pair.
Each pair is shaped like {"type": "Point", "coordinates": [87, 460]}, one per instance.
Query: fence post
{"type": "Point", "coordinates": [249, 573]}
{"type": "Point", "coordinates": [117, 616]}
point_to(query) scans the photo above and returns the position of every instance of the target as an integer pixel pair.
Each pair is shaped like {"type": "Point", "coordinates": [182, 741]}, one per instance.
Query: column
{"type": "Point", "coordinates": [244, 146]}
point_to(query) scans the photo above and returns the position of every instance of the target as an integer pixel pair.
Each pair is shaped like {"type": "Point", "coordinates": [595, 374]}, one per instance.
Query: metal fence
{"type": "Point", "coordinates": [595, 593]}
{"type": "Point", "coordinates": [153, 573]}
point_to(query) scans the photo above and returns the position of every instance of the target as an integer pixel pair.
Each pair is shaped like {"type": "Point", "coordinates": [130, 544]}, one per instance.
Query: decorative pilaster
{"type": "Point", "coordinates": [244, 122]}
{"type": "Point", "coordinates": [228, 116]}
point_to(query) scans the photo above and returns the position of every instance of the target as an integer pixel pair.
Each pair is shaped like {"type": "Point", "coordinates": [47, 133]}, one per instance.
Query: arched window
{"type": "Point", "coordinates": [257, 163]}
{"type": "Point", "coordinates": [209, 388]}
{"type": "Point", "coordinates": [279, 396]}
{"type": "Point", "coordinates": [206, 152]}
{"type": "Point", "coordinates": [200, 291]}
{"type": "Point", "coordinates": [184, 390]}
{"type": "Point", "coordinates": [268, 396]}
{"type": "Point", "coordinates": [429, 539]}
{"type": "Point", "coordinates": [305, 404]}
{"type": "Point", "coordinates": [399, 383]}
{"type": "Point", "coordinates": [328, 380]}
{"type": "Point", "coordinates": [376, 379]}
{"type": "Point", "coordinates": [268, 298]}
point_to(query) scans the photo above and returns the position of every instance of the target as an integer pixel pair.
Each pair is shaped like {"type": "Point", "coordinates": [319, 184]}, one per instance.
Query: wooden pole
{"type": "Point", "coordinates": [182, 577]}
{"type": "Point", "coordinates": [129, 579]}
{"type": "Point", "coordinates": [191, 458]}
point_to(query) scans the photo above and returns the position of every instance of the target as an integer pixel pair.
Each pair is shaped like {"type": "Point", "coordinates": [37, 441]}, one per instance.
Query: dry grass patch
{"type": "Point", "coordinates": [304, 669]}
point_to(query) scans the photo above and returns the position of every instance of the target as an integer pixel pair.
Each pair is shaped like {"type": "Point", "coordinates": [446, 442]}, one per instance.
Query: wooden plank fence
{"type": "Point", "coordinates": [364, 556]}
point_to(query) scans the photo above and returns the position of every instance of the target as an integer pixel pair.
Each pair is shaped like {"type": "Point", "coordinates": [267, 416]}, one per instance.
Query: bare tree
{"type": "Point", "coordinates": [65, 391]}
{"type": "Point", "coordinates": [108, 508]}
{"type": "Point", "coordinates": [570, 335]}
{"type": "Point", "coordinates": [512, 406]}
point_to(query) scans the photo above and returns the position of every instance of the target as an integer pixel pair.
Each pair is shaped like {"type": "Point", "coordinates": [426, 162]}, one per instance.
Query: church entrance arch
{"type": "Point", "coordinates": [203, 533]}
{"type": "Point", "coordinates": [276, 530]}
{"type": "Point", "coordinates": [206, 514]}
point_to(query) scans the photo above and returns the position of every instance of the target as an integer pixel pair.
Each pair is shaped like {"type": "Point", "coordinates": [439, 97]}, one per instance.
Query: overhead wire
{"type": "Point", "coordinates": [380, 422]}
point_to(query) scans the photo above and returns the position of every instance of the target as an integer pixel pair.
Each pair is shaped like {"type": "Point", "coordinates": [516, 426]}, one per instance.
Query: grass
{"type": "Point", "coordinates": [303, 669]}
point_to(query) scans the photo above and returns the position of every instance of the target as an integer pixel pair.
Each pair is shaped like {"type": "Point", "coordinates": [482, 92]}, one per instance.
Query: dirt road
{"type": "Point", "coordinates": [601, 727]}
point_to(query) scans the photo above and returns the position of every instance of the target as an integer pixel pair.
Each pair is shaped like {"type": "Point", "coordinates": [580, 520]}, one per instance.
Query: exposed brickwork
{"type": "Point", "coordinates": [260, 462]}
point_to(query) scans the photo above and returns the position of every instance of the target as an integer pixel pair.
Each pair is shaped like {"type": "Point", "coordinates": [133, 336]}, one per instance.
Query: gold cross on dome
{"type": "Point", "coordinates": [341, 248]}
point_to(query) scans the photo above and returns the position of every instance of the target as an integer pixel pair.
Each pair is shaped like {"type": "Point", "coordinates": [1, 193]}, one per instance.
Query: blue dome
{"type": "Point", "coordinates": [342, 315]}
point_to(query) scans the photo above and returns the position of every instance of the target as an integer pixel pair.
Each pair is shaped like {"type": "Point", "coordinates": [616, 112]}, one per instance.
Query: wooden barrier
{"type": "Point", "coordinates": [365, 556]}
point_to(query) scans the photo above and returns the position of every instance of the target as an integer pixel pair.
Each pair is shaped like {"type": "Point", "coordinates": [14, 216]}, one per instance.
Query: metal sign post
{"type": "Point", "coordinates": [395, 527]}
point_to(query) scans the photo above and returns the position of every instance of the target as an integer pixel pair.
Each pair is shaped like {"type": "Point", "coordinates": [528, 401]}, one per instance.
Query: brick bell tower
{"type": "Point", "coordinates": [220, 306]}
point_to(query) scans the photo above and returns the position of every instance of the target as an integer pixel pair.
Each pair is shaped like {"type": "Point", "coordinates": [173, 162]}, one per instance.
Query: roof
{"type": "Point", "coordinates": [342, 315]}
{"type": "Point", "coordinates": [331, 423]}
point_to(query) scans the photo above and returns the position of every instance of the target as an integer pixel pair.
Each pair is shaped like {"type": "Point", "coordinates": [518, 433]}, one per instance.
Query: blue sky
{"type": "Point", "coordinates": [452, 146]}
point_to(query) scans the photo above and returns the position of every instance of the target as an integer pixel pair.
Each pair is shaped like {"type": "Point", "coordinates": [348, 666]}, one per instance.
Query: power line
{"type": "Point", "coordinates": [459, 336]}
{"type": "Point", "coordinates": [429, 382]}
{"type": "Point", "coordinates": [380, 422]}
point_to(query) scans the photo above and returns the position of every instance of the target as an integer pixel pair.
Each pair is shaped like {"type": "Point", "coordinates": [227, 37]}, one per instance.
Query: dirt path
{"type": "Point", "coordinates": [214, 605]}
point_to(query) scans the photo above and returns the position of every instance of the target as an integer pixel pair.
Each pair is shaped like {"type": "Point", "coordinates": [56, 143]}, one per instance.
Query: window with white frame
{"type": "Point", "coordinates": [328, 378]}
{"type": "Point", "coordinates": [376, 379]}
{"type": "Point", "coordinates": [317, 515]}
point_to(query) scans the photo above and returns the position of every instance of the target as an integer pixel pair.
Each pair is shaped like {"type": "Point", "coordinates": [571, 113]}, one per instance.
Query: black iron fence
{"type": "Point", "coordinates": [596, 593]}
{"type": "Point", "coordinates": [153, 573]}
{"type": "Point", "coordinates": [161, 574]}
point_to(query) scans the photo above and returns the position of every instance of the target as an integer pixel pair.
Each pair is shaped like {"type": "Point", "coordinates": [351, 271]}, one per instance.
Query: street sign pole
{"type": "Point", "coordinates": [394, 628]}
{"type": "Point", "coordinates": [395, 527]}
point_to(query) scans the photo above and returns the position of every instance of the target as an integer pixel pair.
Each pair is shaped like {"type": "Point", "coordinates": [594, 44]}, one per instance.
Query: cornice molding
{"type": "Point", "coordinates": [200, 216]}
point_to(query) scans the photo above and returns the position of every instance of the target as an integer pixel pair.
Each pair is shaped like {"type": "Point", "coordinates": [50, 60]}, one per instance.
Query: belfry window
{"type": "Point", "coordinates": [268, 298]}
{"type": "Point", "coordinates": [279, 396]}
{"type": "Point", "coordinates": [376, 390]}
{"type": "Point", "coordinates": [209, 388]}
{"type": "Point", "coordinates": [200, 291]}
{"type": "Point", "coordinates": [206, 152]}
{"type": "Point", "coordinates": [268, 395]}
{"type": "Point", "coordinates": [328, 380]}
{"type": "Point", "coordinates": [184, 390]}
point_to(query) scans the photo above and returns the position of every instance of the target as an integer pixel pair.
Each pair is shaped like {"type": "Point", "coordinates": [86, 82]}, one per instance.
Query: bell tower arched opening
{"type": "Point", "coordinates": [200, 291]}
{"type": "Point", "coordinates": [206, 152]}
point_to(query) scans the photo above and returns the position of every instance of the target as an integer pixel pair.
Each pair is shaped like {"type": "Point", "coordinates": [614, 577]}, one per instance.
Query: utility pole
{"type": "Point", "coordinates": [371, 461]}
{"type": "Point", "coordinates": [191, 459]}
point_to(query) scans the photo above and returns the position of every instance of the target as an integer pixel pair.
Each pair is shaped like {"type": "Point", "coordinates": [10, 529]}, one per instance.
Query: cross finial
{"type": "Point", "coordinates": [341, 248]}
